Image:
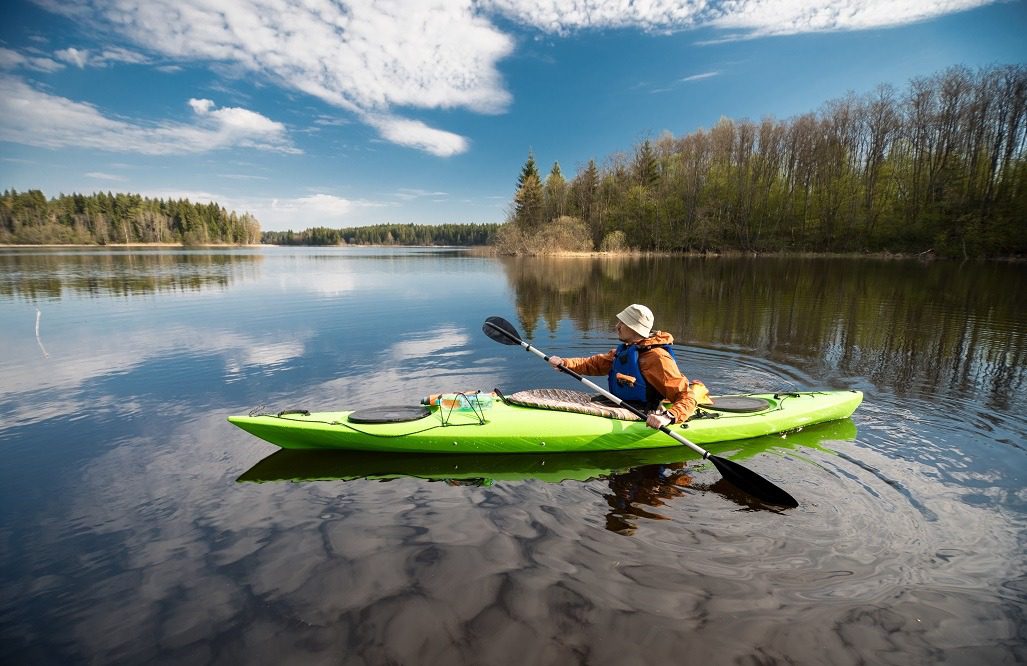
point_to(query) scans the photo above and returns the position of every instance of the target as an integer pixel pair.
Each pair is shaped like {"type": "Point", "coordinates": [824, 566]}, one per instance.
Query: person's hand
{"type": "Point", "coordinates": [658, 419]}
{"type": "Point", "coordinates": [555, 361]}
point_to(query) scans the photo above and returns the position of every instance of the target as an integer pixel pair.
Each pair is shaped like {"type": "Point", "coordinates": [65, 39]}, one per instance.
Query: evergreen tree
{"type": "Point", "coordinates": [103, 218]}
{"type": "Point", "coordinates": [529, 198]}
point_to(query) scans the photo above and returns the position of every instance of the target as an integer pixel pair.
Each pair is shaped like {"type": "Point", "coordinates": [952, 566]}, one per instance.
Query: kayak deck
{"type": "Point", "coordinates": [508, 428]}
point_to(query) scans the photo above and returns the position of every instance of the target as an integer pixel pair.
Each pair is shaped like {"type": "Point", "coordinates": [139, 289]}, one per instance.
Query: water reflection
{"type": "Point", "coordinates": [124, 537]}
{"type": "Point", "coordinates": [918, 329]}
{"type": "Point", "coordinates": [42, 275]}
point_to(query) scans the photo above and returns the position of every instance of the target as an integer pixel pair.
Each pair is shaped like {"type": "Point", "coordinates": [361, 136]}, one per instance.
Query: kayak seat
{"type": "Point", "coordinates": [738, 404]}
{"type": "Point", "coordinates": [388, 414]}
{"type": "Point", "coordinates": [564, 400]}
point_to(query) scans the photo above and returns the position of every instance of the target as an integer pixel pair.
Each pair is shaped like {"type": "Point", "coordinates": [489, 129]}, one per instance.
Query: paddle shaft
{"type": "Point", "coordinates": [620, 403]}
{"type": "Point", "coordinates": [744, 479]}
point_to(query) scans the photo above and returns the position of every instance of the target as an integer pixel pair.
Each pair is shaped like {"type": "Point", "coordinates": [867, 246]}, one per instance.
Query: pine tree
{"type": "Point", "coordinates": [528, 200]}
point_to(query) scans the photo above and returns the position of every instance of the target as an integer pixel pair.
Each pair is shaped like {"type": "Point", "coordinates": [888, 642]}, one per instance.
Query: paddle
{"type": "Point", "coordinates": [744, 479]}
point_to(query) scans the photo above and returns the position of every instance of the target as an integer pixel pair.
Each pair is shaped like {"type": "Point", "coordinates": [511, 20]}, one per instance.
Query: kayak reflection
{"type": "Point", "coordinates": [637, 478]}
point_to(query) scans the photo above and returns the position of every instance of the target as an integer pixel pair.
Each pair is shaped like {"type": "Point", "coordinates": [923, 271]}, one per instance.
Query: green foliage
{"type": "Point", "coordinates": [529, 199]}
{"type": "Point", "coordinates": [940, 166]}
{"type": "Point", "coordinates": [103, 218]}
{"type": "Point", "coordinates": [388, 234]}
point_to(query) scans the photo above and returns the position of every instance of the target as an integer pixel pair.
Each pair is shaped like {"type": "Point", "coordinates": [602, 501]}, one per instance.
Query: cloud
{"type": "Point", "coordinates": [13, 60]}
{"type": "Point", "coordinates": [278, 213]}
{"type": "Point", "coordinates": [34, 117]}
{"type": "Point", "coordinates": [99, 175]}
{"type": "Point", "coordinates": [407, 193]}
{"type": "Point", "coordinates": [242, 176]}
{"type": "Point", "coordinates": [302, 212]}
{"type": "Point", "coordinates": [785, 17]}
{"type": "Point", "coordinates": [324, 204]}
{"type": "Point", "coordinates": [83, 58]}
{"type": "Point", "coordinates": [365, 56]}
{"type": "Point", "coordinates": [374, 57]}
{"type": "Point", "coordinates": [753, 17]}
{"type": "Point", "coordinates": [201, 106]}
{"type": "Point", "coordinates": [415, 134]}
{"type": "Point", "coordinates": [699, 77]}
{"type": "Point", "coordinates": [73, 57]}
{"type": "Point", "coordinates": [561, 16]}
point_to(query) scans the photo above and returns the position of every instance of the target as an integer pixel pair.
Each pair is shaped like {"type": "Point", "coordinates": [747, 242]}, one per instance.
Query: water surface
{"type": "Point", "coordinates": [139, 526]}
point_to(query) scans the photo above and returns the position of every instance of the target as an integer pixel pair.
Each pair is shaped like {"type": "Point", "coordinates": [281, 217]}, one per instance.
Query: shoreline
{"type": "Point", "coordinates": [737, 254]}
{"type": "Point", "coordinates": [490, 251]}
{"type": "Point", "coordinates": [98, 246]}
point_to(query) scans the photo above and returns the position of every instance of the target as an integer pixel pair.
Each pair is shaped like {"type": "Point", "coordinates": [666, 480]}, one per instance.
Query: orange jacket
{"type": "Point", "coordinates": [658, 368]}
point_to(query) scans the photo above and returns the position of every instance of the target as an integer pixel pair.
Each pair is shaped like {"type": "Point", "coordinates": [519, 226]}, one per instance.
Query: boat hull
{"type": "Point", "coordinates": [506, 428]}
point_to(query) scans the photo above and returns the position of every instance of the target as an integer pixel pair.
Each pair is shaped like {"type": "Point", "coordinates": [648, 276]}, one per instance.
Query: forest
{"type": "Point", "coordinates": [388, 234]}
{"type": "Point", "coordinates": [935, 168]}
{"type": "Point", "coordinates": [104, 218]}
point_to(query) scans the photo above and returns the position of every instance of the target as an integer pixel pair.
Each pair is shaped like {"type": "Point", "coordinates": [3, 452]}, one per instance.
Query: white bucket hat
{"type": "Point", "coordinates": [638, 318]}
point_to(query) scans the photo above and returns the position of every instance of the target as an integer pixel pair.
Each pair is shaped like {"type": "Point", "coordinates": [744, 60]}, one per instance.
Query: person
{"type": "Point", "coordinates": [641, 370]}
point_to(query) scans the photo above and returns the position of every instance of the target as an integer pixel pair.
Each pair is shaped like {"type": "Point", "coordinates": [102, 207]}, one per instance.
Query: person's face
{"type": "Point", "coordinates": [624, 334]}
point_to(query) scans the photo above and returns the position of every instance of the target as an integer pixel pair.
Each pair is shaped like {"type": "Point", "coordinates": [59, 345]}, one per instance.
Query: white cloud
{"type": "Point", "coordinates": [372, 57]}
{"type": "Point", "coordinates": [73, 57]}
{"type": "Point", "coordinates": [83, 58]}
{"type": "Point", "coordinates": [242, 176]}
{"type": "Point", "coordinates": [99, 175]}
{"type": "Point", "coordinates": [407, 193]}
{"type": "Point", "coordinates": [324, 204]}
{"type": "Point", "coordinates": [699, 77]}
{"type": "Point", "coordinates": [201, 106]}
{"type": "Point", "coordinates": [784, 17]}
{"type": "Point", "coordinates": [560, 16]}
{"type": "Point", "coordinates": [415, 134]}
{"type": "Point", "coordinates": [365, 56]}
{"type": "Point", "coordinates": [301, 212]}
{"type": "Point", "coordinates": [753, 17]}
{"type": "Point", "coordinates": [37, 118]}
{"type": "Point", "coordinates": [279, 213]}
{"type": "Point", "coordinates": [12, 60]}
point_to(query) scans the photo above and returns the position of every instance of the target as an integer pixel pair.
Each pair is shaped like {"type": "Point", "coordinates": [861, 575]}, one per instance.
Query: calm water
{"type": "Point", "coordinates": [139, 526]}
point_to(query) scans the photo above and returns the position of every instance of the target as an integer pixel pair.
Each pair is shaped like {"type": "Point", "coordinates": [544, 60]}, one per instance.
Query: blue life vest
{"type": "Point", "coordinates": [625, 363]}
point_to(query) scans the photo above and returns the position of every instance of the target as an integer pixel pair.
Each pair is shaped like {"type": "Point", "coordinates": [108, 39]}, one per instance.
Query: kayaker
{"type": "Point", "coordinates": [641, 370]}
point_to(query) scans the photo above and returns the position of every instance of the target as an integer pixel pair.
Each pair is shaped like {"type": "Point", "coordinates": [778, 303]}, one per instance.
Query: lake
{"type": "Point", "coordinates": [139, 526]}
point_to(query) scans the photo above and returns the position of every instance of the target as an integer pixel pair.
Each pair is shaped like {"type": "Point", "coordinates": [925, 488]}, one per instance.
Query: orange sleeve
{"type": "Point", "coordinates": [599, 364]}
{"type": "Point", "coordinates": [662, 373]}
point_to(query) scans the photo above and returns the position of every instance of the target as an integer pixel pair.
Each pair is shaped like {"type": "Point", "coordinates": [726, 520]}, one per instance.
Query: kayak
{"type": "Point", "coordinates": [494, 424]}
{"type": "Point", "coordinates": [483, 469]}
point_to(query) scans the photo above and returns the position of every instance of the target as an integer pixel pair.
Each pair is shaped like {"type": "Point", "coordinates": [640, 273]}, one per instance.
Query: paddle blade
{"type": "Point", "coordinates": [501, 331]}
{"type": "Point", "coordinates": [752, 483]}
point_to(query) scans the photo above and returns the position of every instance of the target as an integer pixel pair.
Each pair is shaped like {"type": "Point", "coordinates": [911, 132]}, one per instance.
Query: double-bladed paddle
{"type": "Point", "coordinates": [744, 479]}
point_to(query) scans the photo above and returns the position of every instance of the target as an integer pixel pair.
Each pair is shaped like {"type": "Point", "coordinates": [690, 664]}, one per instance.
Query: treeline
{"type": "Point", "coordinates": [102, 218]}
{"type": "Point", "coordinates": [937, 166]}
{"type": "Point", "coordinates": [388, 234]}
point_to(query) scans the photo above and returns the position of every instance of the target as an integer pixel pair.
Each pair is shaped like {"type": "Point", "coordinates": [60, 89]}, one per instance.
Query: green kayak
{"type": "Point", "coordinates": [292, 465]}
{"type": "Point", "coordinates": [482, 423]}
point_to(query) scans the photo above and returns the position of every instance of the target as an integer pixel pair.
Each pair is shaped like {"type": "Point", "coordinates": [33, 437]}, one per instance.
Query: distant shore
{"type": "Point", "coordinates": [490, 251]}
{"type": "Point", "coordinates": [97, 245]}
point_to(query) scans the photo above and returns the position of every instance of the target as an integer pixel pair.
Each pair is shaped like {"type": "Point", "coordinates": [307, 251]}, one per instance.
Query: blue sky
{"type": "Point", "coordinates": [345, 113]}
